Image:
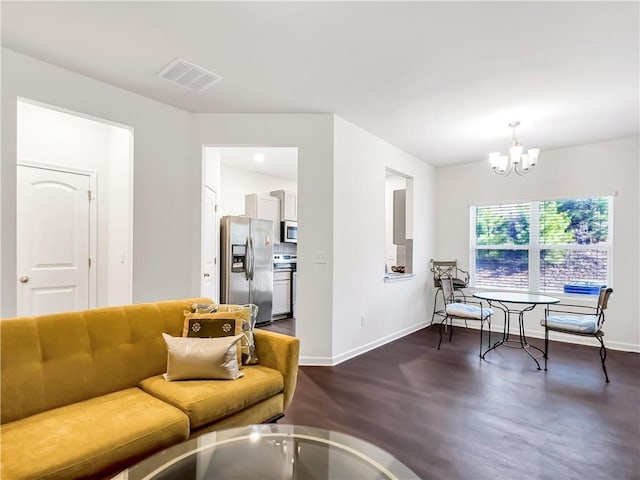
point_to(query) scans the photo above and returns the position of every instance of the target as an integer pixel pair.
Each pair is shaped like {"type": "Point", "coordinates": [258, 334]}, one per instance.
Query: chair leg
{"type": "Point", "coordinates": [489, 344]}
{"type": "Point", "coordinates": [481, 325]}
{"type": "Point", "coordinates": [450, 329]}
{"type": "Point", "coordinates": [546, 347]}
{"type": "Point", "coordinates": [603, 357]}
{"type": "Point", "coordinates": [435, 305]}
{"type": "Point", "coordinates": [442, 326]}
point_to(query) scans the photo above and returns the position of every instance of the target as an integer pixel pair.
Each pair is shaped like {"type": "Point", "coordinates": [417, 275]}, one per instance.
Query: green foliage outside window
{"type": "Point", "coordinates": [507, 225]}
{"type": "Point", "coordinates": [588, 219]}
{"type": "Point", "coordinates": [582, 221]}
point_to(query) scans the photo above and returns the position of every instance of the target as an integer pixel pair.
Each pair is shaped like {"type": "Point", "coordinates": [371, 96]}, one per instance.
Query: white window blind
{"type": "Point", "coordinates": [541, 245]}
{"type": "Point", "coordinates": [501, 241]}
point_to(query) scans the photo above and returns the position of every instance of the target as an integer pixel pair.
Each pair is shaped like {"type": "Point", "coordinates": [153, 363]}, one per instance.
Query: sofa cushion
{"type": "Point", "coordinates": [206, 401]}
{"type": "Point", "coordinates": [102, 434]}
{"type": "Point", "coordinates": [58, 359]}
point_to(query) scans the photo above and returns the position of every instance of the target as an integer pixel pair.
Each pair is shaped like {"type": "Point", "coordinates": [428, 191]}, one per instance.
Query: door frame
{"type": "Point", "coordinates": [216, 248]}
{"type": "Point", "coordinates": [93, 216]}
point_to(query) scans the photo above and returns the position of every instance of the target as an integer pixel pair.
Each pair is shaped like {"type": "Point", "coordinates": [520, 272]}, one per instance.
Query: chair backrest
{"type": "Point", "coordinates": [603, 298]}
{"type": "Point", "coordinates": [447, 268]}
{"type": "Point", "coordinates": [447, 289]}
{"type": "Point", "coordinates": [603, 301]}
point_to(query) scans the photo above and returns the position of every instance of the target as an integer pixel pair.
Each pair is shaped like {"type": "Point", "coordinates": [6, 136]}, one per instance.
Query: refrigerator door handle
{"type": "Point", "coordinates": [253, 257]}
{"type": "Point", "coordinates": [247, 258]}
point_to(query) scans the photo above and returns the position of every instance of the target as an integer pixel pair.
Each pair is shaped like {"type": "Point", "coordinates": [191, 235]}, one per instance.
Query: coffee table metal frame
{"type": "Point", "coordinates": [383, 462]}
{"type": "Point", "coordinates": [521, 303]}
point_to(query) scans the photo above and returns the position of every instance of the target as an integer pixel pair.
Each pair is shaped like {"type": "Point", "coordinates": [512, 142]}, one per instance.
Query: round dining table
{"type": "Point", "coordinates": [513, 303]}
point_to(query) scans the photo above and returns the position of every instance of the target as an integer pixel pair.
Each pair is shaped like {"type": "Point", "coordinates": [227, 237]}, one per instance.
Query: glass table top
{"type": "Point", "coordinates": [510, 297]}
{"type": "Point", "coordinates": [270, 451]}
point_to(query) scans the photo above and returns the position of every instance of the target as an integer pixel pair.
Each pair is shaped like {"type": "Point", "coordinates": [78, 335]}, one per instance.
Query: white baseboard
{"type": "Point", "coordinates": [557, 337]}
{"type": "Point", "coordinates": [315, 362]}
{"type": "Point", "coordinates": [343, 357]}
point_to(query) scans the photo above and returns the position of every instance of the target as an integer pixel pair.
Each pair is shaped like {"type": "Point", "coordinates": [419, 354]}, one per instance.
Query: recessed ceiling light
{"type": "Point", "coordinates": [188, 75]}
{"type": "Point", "coordinates": [258, 157]}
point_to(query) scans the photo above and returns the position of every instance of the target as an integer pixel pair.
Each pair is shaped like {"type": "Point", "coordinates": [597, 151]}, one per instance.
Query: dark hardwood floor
{"type": "Point", "coordinates": [286, 326]}
{"type": "Point", "coordinates": [448, 414]}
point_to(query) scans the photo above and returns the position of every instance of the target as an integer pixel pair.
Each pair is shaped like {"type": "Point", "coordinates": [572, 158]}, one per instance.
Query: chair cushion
{"type": "Point", "coordinates": [466, 310]}
{"type": "Point", "coordinates": [94, 436]}
{"type": "Point", "coordinates": [206, 401]}
{"type": "Point", "coordinates": [458, 283]}
{"type": "Point", "coordinates": [572, 323]}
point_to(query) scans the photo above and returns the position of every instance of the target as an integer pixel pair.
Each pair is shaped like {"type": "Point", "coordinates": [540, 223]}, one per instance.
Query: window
{"type": "Point", "coordinates": [541, 246]}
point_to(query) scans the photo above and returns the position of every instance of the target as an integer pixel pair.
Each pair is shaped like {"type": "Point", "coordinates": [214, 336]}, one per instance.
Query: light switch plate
{"type": "Point", "coordinates": [321, 257]}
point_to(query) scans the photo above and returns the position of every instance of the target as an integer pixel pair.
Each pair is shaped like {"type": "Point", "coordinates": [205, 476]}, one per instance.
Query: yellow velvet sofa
{"type": "Point", "coordinates": [83, 394]}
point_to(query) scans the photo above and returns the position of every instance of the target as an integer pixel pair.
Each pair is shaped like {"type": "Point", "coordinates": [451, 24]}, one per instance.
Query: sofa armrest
{"type": "Point", "coordinates": [281, 353]}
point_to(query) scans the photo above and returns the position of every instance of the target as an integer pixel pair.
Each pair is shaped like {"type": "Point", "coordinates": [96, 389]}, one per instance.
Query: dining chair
{"type": "Point", "coordinates": [447, 269]}
{"type": "Point", "coordinates": [467, 310]}
{"type": "Point", "coordinates": [583, 320]}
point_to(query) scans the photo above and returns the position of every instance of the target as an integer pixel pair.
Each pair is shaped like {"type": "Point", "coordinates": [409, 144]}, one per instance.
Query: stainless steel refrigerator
{"type": "Point", "coordinates": [246, 267]}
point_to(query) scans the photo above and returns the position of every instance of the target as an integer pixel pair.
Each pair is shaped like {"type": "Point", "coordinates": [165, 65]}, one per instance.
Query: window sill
{"type": "Point", "coordinates": [398, 277]}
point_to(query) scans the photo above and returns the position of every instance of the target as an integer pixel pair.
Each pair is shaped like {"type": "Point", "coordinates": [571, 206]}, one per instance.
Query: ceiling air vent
{"type": "Point", "coordinates": [188, 75]}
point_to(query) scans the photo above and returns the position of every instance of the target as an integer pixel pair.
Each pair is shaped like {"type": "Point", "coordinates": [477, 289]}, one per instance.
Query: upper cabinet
{"type": "Point", "coordinates": [265, 207]}
{"type": "Point", "coordinates": [399, 217]}
{"type": "Point", "coordinates": [288, 205]}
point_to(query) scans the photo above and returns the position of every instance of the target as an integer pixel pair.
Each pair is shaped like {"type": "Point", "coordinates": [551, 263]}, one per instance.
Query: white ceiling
{"type": "Point", "coordinates": [276, 161]}
{"type": "Point", "coordinates": [441, 80]}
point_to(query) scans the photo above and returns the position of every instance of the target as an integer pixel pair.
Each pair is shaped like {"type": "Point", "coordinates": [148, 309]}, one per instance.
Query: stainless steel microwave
{"type": "Point", "coordinates": [289, 232]}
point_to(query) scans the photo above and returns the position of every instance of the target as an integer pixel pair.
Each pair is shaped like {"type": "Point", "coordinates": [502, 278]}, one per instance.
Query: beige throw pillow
{"type": "Point", "coordinates": [202, 358]}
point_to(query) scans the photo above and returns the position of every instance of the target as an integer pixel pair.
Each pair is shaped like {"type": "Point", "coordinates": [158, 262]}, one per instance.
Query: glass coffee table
{"type": "Point", "coordinates": [270, 451]}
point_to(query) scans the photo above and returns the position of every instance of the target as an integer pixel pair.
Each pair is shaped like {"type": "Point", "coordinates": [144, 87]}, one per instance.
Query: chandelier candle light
{"type": "Point", "coordinates": [516, 161]}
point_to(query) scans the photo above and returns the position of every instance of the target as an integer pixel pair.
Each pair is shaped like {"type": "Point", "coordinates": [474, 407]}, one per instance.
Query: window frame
{"type": "Point", "coordinates": [534, 247]}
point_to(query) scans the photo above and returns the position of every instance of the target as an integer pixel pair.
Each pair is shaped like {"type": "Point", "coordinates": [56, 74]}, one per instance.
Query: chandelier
{"type": "Point", "coordinates": [516, 161]}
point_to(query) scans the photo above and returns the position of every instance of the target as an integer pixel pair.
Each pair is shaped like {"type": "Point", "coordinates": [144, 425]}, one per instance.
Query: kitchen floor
{"type": "Point", "coordinates": [286, 326]}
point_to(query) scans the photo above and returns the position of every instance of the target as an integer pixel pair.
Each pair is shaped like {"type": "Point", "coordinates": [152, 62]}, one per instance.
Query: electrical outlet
{"type": "Point", "coordinates": [363, 320]}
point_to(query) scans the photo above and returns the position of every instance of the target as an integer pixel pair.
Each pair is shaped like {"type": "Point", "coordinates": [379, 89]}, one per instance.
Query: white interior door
{"type": "Point", "coordinates": [209, 285]}
{"type": "Point", "coordinates": [53, 241]}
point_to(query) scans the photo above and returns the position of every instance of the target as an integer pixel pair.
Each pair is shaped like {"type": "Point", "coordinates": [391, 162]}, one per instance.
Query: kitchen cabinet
{"type": "Point", "coordinates": [288, 205]}
{"type": "Point", "coordinates": [399, 217]}
{"type": "Point", "coordinates": [265, 207]}
{"type": "Point", "coordinates": [281, 293]}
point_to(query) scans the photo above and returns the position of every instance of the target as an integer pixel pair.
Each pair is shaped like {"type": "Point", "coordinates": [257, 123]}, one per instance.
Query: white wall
{"type": "Point", "coordinates": [313, 135]}
{"type": "Point", "coordinates": [58, 139]}
{"type": "Point", "coordinates": [596, 169]}
{"type": "Point", "coordinates": [236, 183]}
{"type": "Point", "coordinates": [392, 309]}
{"type": "Point", "coordinates": [119, 218]}
{"type": "Point", "coordinates": [163, 177]}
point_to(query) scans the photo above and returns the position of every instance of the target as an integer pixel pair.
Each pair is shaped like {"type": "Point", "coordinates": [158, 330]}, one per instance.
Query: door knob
{"type": "Point", "coordinates": [207, 275]}
{"type": "Point", "coordinates": [24, 279]}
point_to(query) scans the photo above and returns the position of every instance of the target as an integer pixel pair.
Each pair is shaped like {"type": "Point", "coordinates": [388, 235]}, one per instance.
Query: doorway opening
{"type": "Point", "coordinates": [74, 211]}
{"type": "Point", "coordinates": [259, 182]}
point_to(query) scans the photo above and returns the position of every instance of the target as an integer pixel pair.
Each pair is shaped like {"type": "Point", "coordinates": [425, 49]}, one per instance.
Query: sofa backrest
{"type": "Point", "coordinates": [53, 360]}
